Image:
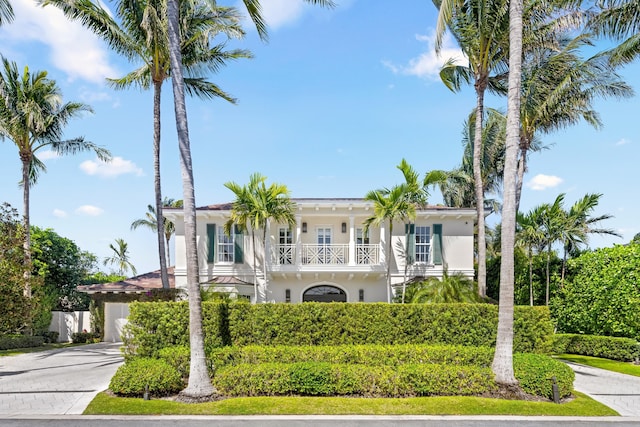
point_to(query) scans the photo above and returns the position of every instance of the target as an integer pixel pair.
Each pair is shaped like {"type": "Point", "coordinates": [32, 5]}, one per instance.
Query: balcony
{"type": "Point", "coordinates": [313, 254]}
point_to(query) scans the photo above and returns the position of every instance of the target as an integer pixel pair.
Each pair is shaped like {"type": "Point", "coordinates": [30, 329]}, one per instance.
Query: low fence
{"type": "Point", "coordinates": [68, 323]}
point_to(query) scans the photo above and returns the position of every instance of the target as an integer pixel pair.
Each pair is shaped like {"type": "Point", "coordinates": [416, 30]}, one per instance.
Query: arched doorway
{"type": "Point", "coordinates": [324, 293]}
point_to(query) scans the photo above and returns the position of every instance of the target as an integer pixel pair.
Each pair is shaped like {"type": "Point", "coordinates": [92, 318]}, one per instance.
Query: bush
{"type": "Point", "coordinates": [50, 336]}
{"type": "Point", "coordinates": [178, 357]}
{"type": "Point", "coordinates": [8, 342]}
{"type": "Point", "coordinates": [535, 373]}
{"type": "Point", "coordinates": [623, 349]}
{"type": "Point", "coordinates": [84, 337]}
{"type": "Point", "coordinates": [323, 379]}
{"type": "Point", "coordinates": [132, 378]}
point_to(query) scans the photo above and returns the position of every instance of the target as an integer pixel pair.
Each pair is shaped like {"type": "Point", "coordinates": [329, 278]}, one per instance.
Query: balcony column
{"type": "Point", "coordinates": [352, 240]}
{"type": "Point", "coordinates": [298, 255]}
{"type": "Point", "coordinates": [383, 244]}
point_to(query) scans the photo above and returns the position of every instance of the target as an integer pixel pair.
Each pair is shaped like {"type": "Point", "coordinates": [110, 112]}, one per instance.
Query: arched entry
{"type": "Point", "coordinates": [324, 293]}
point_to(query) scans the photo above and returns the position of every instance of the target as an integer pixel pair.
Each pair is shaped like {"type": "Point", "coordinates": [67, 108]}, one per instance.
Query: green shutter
{"type": "Point", "coordinates": [238, 245]}
{"type": "Point", "coordinates": [437, 244]}
{"type": "Point", "coordinates": [410, 233]}
{"type": "Point", "coordinates": [211, 243]}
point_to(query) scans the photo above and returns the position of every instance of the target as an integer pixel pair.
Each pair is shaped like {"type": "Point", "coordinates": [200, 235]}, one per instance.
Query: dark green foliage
{"type": "Point", "coordinates": [603, 297]}
{"type": "Point", "coordinates": [153, 326]}
{"type": "Point", "coordinates": [178, 357]}
{"type": "Point", "coordinates": [50, 336]}
{"type": "Point", "coordinates": [85, 337]}
{"type": "Point", "coordinates": [8, 342]}
{"type": "Point", "coordinates": [370, 355]}
{"type": "Point", "coordinates": [623, 349]}
{"type": "Point", "coordinates": [534, 372]}
{"type": "Point", "coordinates": [321, 378]}
{"type": "Point", "coordinates": [133, 377]}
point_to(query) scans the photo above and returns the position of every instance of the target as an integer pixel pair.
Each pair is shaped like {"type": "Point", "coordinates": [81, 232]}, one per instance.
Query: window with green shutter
{"type": "Point", "coordinates": [410, 234]}
{"type": "Point", "coordinates": [238, 245]}
{"type": "Point", "coordinates": [211, 243]}
{"type": "Point", "coordinates": [437, 244]}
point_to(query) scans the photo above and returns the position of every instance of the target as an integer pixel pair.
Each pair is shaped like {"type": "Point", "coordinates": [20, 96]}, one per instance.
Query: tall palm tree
{"type": "Point", "coordinates": [199, 385]}
{"type": "Point", "coordinates": [140, 33]}
{"type": "Point", "coordinates": [33, 117]}
{"type": "Point", "coordinates": [150, 222]}
{"type": "Point", "coordinates": [619, 19]}
{"type": "Point", "coordinates": [389, 206]}
{"type": "Point", "coordinates": [481, 28]}
{"type": "Point", "coordinates": [120, 257]}
{"type": "Point", "coordinates": [256, 205]}
{"type": "Point", "coordinates": [451, 289]}
{"type": "Point", "coordinates": [559, 88]}
{"type": "Point", "coordinates": [530, 236]}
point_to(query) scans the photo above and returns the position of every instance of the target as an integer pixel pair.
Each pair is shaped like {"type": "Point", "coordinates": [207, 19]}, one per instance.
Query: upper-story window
{"type": "Point", "coordinates": [362, 238]}
{"type": "Point", "coordinates": [225, 246]}
{"type": "Point", "coordinates": [285, 245]}
{"type": "Point", "coordinates": [324, 235]}
{"type": "Point", "coordinates": [423, 243]}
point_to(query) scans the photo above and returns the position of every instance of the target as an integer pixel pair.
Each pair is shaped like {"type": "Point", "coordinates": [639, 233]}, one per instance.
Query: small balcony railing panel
{"type": "Point", "coordinates": [325, 254]}
{"type": "Point", "coordinates": [367, 254]}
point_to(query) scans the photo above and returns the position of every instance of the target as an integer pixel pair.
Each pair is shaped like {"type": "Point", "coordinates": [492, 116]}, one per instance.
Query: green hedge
{"type": "Point", "coordinates": [624, 349]}
{"type": "Point", "coordinates": [8, 342]}
{"type": "Point", "coordinates": [153, 326]}
{"type": "Point", "coordinates": [535, 374]}
{"type": "Point", "coordinates": [140, 374]}
{"type": "Point", "coordinates": [325, 379]}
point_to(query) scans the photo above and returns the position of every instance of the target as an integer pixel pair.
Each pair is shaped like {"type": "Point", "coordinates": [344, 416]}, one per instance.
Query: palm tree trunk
{"type": "Point", "coordinates": [546, 300]}
{"type": "Point", "coordinates": [564, 265]}
{"type": "Point", "coordinates": [263, 290]}
{"type": "Point", "coordinates": [26, 165]}
{"type": "Point", "coordinates": [522, 167]}
{"type": "Point", "coordinates": [157, 88]}
{"type": "Point", "coordinates": [389, 262]}
{"type": "Point", "coordinates": [255, 265]}
{"type": "Point", "coordinates": [199, 385]}
{"type": "Point", "coordinates": [479, 190]}
{"type": "Point", "coordinates": [502, 365]}
{"type": "Point", "coordinates": [168, 253]}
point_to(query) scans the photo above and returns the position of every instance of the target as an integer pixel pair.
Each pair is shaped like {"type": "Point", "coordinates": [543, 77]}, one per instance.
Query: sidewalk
{"type": "Point", "coordinates": [61, 381]}
{"type": "Point", "coordinates": [618, 391]}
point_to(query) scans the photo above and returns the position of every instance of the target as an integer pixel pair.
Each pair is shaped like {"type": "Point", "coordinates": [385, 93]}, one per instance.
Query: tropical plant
{"type": "Point", "coordinates": [530, 236]}
{"type": "Point", "coordinates": [6, 12]}
{"type": "Point", "coordinates": [139, 32]}
{"type": "Point", "coordinates": [481, 28]}
{"type": "Point", "coordinates": [120, 257]}
{"type": "Point", "coordinates": [619, 19]}
{"type": "Point", "coordinates": [151, 222]}
{"type": "Point", "coordinates": [33, 117]}
{"type": "Point", "coordinates": [389, 206]}
{"type": "Point", "coordinates": [449, 289]}
{"type": "Point", "coordinates": [256, 205]}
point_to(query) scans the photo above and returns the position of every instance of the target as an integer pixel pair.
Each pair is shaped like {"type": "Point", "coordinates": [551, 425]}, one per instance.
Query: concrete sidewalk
{"type": "Point", "coordinates": [61, 381]}
{"type": "Point", "coordinates": [618, 391]}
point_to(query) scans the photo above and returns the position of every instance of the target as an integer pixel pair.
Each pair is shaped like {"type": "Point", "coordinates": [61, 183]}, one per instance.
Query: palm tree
{"type": "Point", "coordinates": [502, 365]}
{"type": "Point", "coordinates": [530, 236]}
{"type": "Point", "coordinates": [389, 206]}
{"type": "Point", "coordinates": [451, 289]}
{"type": "Point", "coordinates": [120, 257]}
{"type": "Point", "coordinates": [256, 205]}
{"type": "Point", "coordinates": [480, 27]}
{"type": "Point", "coordinates": [33, 117]}
{"type": "Point", "coordinates": [6, 12]}
{"type": "Point", "coordinates": [199, 385]}
{"type": "Point", "coordinates": [559, 88]}
{"type": "Point", "coordinates": [141, 35]}
{"type": "Point", "coordinates": [619, 19]}
{"type": "Point", "coordinates": [150, 222]}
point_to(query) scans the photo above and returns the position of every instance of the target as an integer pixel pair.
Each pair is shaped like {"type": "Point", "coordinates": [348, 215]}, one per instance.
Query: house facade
{"type": "Point", "coordinates": [327, 255]}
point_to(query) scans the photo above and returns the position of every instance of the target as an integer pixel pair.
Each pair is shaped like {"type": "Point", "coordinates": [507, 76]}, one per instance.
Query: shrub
{"type": "Point", "coordinates": [624, 349]}
{"type": "Point", "coordinates": [178, 357]}
{"type": "Point", "coordinates": [132, 378]}
{"type": "Point", "coordinates": [84, 337]}
{"type": "Point", "coordinates": [8, 342]}
{"type": "Point", "coordinates": [50, 336]}
{"type": "Point", "coordinates": [535, 373]}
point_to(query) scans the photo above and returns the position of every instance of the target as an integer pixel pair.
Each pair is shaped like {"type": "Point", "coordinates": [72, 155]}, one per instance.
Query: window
{"type": "Point", "coordinates": [423, 242]}
{"type": "Point", "coordinates": [324, 236]}
{"type": "Point", "coordinates": [285, 248]}
{"type": "Point", "coordinates": [362, 238]}
{"type": "Point", "coordinates": [225, 246]}
{"type": "Point", "coordinates": [324, 293]}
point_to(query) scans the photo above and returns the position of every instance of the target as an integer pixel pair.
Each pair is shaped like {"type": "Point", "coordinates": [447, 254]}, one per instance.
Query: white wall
{"type": "Point", "coordinates": [68, 323]}
{"type": "Point", "coordinates": [115, 317]}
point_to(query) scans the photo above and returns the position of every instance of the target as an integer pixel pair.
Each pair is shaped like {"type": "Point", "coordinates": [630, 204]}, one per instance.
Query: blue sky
{"type": "Point", "coordinates": [328, 107]}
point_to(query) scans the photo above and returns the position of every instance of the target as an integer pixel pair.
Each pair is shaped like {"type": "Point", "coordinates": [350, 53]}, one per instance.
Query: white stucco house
{"type": "Point", "coordinates": [326, 256]}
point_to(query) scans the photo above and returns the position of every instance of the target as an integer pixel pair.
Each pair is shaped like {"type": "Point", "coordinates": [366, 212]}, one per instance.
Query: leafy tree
{"type": "Point", "coordinates": [139, 32]}
{"type": "Point", "coordinates": [151, 222]}
{"type": "Point", "coordinates": [256, 205]}
{"type": "Point", "coordinates": [603, 297]}
{"type": "Point", "coordinates": [636, 238]}
{"type": "Point", "coordinates": [449, 289]}
{"type": "Point", "coordinates": [33, 117]}
{"type": "Point", "coordinates": [120, 257]}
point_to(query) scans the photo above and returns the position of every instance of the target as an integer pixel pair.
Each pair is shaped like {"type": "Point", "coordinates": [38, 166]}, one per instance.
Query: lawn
{"type": "Point", "coordinates": [45, 347]}
{"type": "Point", "coordinates": [597, 362]}
{"type": "Point", "coordinates": [581, 405]}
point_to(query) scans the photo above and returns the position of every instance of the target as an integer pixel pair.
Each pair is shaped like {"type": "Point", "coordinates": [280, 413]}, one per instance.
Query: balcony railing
{"type": "Point", "coordinates": [327, 254]}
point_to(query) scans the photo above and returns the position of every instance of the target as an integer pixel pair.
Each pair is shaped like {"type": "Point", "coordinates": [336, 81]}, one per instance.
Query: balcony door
{"type": "Point", "coordinates": [285, 246]}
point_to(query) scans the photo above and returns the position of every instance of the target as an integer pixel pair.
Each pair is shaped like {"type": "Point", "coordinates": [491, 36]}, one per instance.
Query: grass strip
{"type": "Point", "coordinates": [597, 362]}
{"type": "Point", "coordinates": [106, 404]}
{"type": "Point", "coordinates": [45, 347]}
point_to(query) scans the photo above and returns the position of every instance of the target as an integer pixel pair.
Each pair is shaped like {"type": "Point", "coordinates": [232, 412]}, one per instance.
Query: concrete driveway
{"type": "Point", "coordinates": [56, 382]}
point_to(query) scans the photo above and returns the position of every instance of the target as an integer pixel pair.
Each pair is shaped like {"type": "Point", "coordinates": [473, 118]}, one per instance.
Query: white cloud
{"type": "Point", "coordinates": [428, 64]}
{"type": "Point", "coordinates": [623, 141]}
{"type": "Point", "coordinates": [91, 96]}
{"type": "Point", "coordinates": [279, 13]}
{"type": "Point", "coordinates": [89, 210]}
{"type": "Point", "coordinates": [59, 213]}
{"type": "Point", "coordinates": [74, 49]}
{"type": "Point", "coordinates": [47, 155]}
{"type": "Point", "coordinates": [542, 182]}
{"type": "Point", "coordinates": [117, 166]}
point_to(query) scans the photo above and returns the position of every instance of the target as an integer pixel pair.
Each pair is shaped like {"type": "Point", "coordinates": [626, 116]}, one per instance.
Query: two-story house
{"type": "Point", "coordinates": [327, 255]}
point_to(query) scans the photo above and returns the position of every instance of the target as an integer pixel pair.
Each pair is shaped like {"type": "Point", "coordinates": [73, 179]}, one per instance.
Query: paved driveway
{"type": "Point", "coordinates": [61, 381]}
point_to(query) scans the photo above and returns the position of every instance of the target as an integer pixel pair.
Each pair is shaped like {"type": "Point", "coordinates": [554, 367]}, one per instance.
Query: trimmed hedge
{"type": "Point", "coordinates": [132, 378]}
{"type": "Point", "coordinates": [8, 342]}
{"type": "Point", "coordinates": [325, 379]}
{"type": "Point", "coordinates": [535, 374]}
{"type": "Point", "coordinates": [153, 326]}
{"type": "Point", "coordinates": [615, 348]}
